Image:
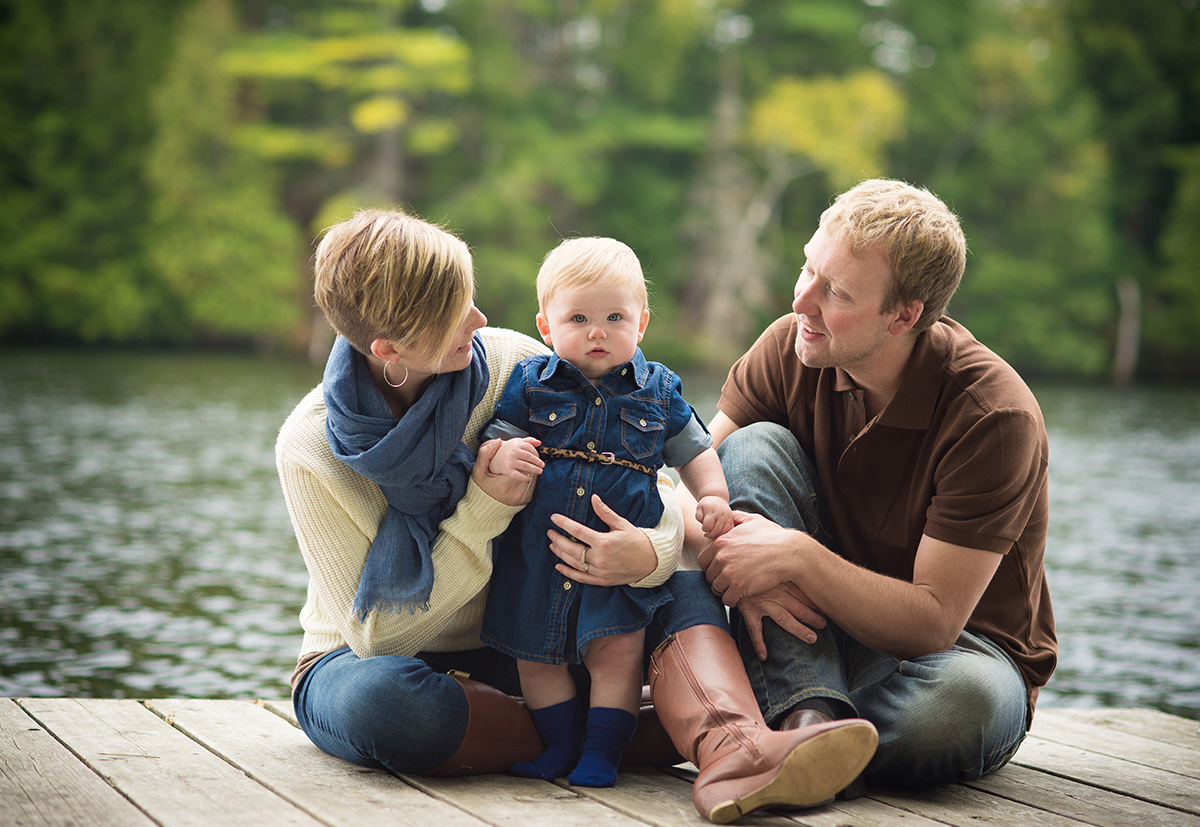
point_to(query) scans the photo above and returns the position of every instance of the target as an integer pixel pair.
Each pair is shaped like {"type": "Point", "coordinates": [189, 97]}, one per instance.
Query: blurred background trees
{"type": "Point", "coordinates": [165, 167]}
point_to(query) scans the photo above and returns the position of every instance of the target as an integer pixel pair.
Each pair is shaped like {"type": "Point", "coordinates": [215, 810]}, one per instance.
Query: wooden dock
{"type": "Point", "coordinates": [211, 763]}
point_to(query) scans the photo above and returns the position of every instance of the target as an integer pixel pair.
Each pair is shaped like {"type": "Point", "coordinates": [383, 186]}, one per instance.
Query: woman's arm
{"type": "Point", "coordinates": [336, 512]}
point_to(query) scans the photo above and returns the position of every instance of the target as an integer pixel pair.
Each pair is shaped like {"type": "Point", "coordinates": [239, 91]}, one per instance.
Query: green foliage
{"type": "Point", "coordinates": [156, 186]}
{"type": "Point", "coordinates": [73, 81]}
{"type": "Point", "coordinates": [217, 238]}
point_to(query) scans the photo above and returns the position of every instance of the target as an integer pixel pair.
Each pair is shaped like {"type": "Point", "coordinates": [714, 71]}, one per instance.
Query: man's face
{"type": "Point", "coordinates": [839, 298]}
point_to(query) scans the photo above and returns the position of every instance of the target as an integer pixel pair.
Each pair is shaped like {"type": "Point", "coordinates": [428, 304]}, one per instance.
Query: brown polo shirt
{"type": "Point", "coordinates": [960, 454]}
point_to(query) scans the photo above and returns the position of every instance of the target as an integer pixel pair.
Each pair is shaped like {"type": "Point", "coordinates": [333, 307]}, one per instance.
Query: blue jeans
{"type": "Point", "coordinates": [407, 715]}
{"type": "Point", "coordinates": [945, 717]}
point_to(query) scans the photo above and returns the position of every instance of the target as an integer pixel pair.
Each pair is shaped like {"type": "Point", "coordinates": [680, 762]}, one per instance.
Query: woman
{"type": "Point", "coordinates": [395, 519]}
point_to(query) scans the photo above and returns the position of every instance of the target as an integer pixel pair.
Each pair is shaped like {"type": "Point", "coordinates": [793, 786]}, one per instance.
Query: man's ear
{"type": "Point", "coordinates": [905, 317]}
{"type": "Point", "coordinates": [544, 328]}
{"type": "Point", "coordinates": [645, 320]}
{"type": "Point", "coordinates": [385, 349]}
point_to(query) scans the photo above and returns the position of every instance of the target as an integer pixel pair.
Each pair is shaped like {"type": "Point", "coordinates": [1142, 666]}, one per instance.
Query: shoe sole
{"type": "Point", "coordinates": [812, 773]}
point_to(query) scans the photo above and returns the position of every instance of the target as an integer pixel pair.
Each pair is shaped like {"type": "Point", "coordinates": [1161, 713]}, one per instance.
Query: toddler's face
{"type": "Point", "coordinates": [594, 328]}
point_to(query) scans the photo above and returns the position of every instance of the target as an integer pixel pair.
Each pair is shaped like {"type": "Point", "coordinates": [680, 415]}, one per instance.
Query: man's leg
{"type": "Point", "coordinates": [946, 717]}
{"type": "Point", "coordinates": [769, 474]}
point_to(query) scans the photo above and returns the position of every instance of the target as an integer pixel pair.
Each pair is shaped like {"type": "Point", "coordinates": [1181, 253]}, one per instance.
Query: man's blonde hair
{"type": "Point", "coordinates": [921, 240]}
{"type": "Point", "coordinates": [384, 274]}
{"type": "Point", "coordinates": [590, 262]}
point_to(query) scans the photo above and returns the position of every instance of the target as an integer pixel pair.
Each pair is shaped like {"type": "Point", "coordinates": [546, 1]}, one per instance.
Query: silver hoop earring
{"type": "Point", "coordinates": [389, 381]}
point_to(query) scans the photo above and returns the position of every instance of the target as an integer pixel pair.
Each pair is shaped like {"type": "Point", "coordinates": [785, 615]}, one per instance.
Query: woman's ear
{"type": "Point", "coordinates": [543, 326]}
{"type": "Point", "coordinates": [385, 349]}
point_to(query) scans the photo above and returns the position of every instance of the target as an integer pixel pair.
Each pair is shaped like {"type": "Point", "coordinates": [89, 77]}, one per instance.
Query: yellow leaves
{"type": "Point", "coordinates": [379, 114]}
{"type": "Point", "coordinates": [842, 124]}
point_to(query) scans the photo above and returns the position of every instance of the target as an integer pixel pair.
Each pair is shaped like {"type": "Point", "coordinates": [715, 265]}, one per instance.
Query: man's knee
{"type": "Point", "coordinates": [968, 726]}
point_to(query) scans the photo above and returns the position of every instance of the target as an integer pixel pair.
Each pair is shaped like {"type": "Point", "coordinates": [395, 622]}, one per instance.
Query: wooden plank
{"type": "Point", "coordinates": [864, 811]}
{"type": "Point", "coordinates": [279, 756]}
{"type": "Point", "coordinates": [173, 779]}
{"type": "Point", "coordinates": [658, 798]}
{"type": "Point", "coordinates": [1125, 777]}
{"type": "Point", "coordinates": [1081, 801]}
{"type": "Point", "coordinates": [506, 800]}
{"type": "Point", "coordinates": [1148, 723]}
{"type": "Point", "coordinates": [42, 783]}
{"type": "Point", "coordinates": [963, 806]}
{"type": "Point", "coordinates": [1118, 744]}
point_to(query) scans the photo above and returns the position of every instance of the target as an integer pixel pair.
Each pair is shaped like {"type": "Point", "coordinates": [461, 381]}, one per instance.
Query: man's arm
{"type": "Point", "coordinates": [898, 618]}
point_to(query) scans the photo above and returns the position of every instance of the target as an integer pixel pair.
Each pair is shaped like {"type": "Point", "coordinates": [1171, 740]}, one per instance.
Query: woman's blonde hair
{"type": "Point", "coordinates": [923, 243]}
{"type": "Point", "coordinates": [590, 262]}
{"type": "Point", "coordinates": [384, 274]}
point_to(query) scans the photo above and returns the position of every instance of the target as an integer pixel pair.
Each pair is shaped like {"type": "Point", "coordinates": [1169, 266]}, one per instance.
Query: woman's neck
{"type": "Point", "coordinates": [404, 397]}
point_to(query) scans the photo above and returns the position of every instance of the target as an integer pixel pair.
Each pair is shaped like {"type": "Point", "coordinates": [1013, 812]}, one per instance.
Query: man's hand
{"type": "Point", "coordinates": [751, 558]}
{"type": "Point", "coordinates": [787, 606]}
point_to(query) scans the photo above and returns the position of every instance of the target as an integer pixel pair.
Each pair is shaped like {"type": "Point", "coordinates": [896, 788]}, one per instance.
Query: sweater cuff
{"type": "Point", "coordinates": [486, 515]}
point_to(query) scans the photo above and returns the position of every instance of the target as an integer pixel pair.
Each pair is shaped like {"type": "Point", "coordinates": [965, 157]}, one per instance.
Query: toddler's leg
{"type": "Point", "coordinates": [550, 697]}
{"type": "Point", "coordinates": [615, 664]}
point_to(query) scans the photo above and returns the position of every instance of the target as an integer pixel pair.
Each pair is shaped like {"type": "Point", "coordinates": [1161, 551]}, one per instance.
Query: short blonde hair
{"type": "Point", "coordinates": [923, 243]}
{"type": "Point", "coordinates": [590, 262]}
{"type": "Point", "coordinates": [384, 274]}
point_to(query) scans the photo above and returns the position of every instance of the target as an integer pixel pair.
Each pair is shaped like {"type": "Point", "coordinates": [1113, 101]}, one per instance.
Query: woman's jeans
{"type": "Point", "coordinates": [949, 716]}
{"type": "Point", "coordinates": [408, 715]}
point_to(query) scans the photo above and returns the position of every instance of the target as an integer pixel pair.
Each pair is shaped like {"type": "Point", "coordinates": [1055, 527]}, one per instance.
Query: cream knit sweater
{"type": "Point", "coordinates": [335, 513]}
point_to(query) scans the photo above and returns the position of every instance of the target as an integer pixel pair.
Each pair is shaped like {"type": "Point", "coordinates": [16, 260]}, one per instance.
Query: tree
{"type": "Point", "coordinates": [74, 76]}
{"type": "Point", "coordinates": [1142, 60]}
{"type": "Point", "coordinates": [999, 129]}
{"type": "Point", "coordinates": [227, 254]}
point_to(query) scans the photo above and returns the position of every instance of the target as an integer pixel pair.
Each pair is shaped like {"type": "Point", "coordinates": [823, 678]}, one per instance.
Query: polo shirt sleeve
{"type": "Point", "coordinates": [759, 383]}
{"type": "Point", "coordinates": [989, 480]}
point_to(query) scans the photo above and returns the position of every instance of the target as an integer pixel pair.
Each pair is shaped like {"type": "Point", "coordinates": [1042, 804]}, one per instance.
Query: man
{"type": "Point", "coordinates": [890, 478]}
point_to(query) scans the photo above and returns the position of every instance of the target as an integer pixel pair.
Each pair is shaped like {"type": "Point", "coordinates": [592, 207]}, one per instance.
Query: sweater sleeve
{"type": "Point", "coordinates": [666, 537]}
{"type": "Point", "coordinates": [336, 512]}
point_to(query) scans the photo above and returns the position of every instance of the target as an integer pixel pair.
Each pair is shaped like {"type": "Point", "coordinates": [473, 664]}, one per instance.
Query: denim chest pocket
{"type": "Point", "coordinates": [641, 432]}
{"type": "Point", "coordinates": [553, 424]}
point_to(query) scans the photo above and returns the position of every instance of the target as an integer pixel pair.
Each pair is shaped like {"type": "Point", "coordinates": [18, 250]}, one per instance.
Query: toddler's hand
{"type": "Point", "coordinates": [517, 459]}
{"type": "Point", "coordinates": [714, 515]}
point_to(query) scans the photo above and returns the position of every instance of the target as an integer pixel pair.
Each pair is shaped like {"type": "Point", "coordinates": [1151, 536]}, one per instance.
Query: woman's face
{"type": "Point", "coordinates": [421, 364]}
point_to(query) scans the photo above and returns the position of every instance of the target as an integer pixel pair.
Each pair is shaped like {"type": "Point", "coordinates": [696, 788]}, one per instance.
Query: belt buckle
{"type": "Point", "coordinates": [607, 458]}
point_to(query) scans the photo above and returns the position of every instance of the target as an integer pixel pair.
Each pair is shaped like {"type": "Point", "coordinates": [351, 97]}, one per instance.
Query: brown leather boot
{"type": "Point", "coordinates": [499, 733]}
{"type": "Point", "coordinates": [651, 745]}
{"type": "Point", "coordinates": [706, 703]}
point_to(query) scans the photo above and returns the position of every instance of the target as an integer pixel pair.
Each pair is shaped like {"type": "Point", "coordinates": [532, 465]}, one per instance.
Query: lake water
{"type": "Point", "coordinates": [145, 550]}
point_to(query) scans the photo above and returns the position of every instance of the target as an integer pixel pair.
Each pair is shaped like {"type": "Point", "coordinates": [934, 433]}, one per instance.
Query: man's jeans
{"type": "Point", "coordinates": [408, 715]}
{"type": "Point", "coordinates": [949, 716]}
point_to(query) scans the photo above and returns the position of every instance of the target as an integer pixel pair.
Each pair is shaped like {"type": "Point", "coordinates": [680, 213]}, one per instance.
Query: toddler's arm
{"type": "Point", "coordinates": [706, 482]}
{"type": "Point", "coordinates": [517, 458]}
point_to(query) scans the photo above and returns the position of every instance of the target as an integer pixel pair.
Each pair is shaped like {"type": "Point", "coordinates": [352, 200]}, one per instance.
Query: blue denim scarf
{"type": "Point", "coordinates": [419, 463]}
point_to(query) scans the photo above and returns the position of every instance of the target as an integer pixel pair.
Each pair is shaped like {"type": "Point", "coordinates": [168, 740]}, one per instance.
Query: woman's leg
{"type": "Point", "coordinates": [401, 714]}
{"type": "Point", "coordinates": [707, 705]}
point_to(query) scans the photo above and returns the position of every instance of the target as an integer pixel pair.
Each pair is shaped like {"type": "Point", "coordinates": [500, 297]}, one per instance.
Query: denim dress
{"type": "Point", "coordinates": [635, 412]}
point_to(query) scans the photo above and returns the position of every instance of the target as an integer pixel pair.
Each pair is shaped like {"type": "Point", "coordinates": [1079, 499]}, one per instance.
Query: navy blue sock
{"type": "Point", "coordinates": [609, 731]}
{"type": "Point", "coordinates": [559, 728]}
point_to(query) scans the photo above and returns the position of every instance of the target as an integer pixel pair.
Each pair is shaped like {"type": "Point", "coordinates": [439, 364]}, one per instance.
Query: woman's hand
{"type": "Point", "coordinates": [499, 486]}
{"type": "Point", "coordinates": [617, 557]}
